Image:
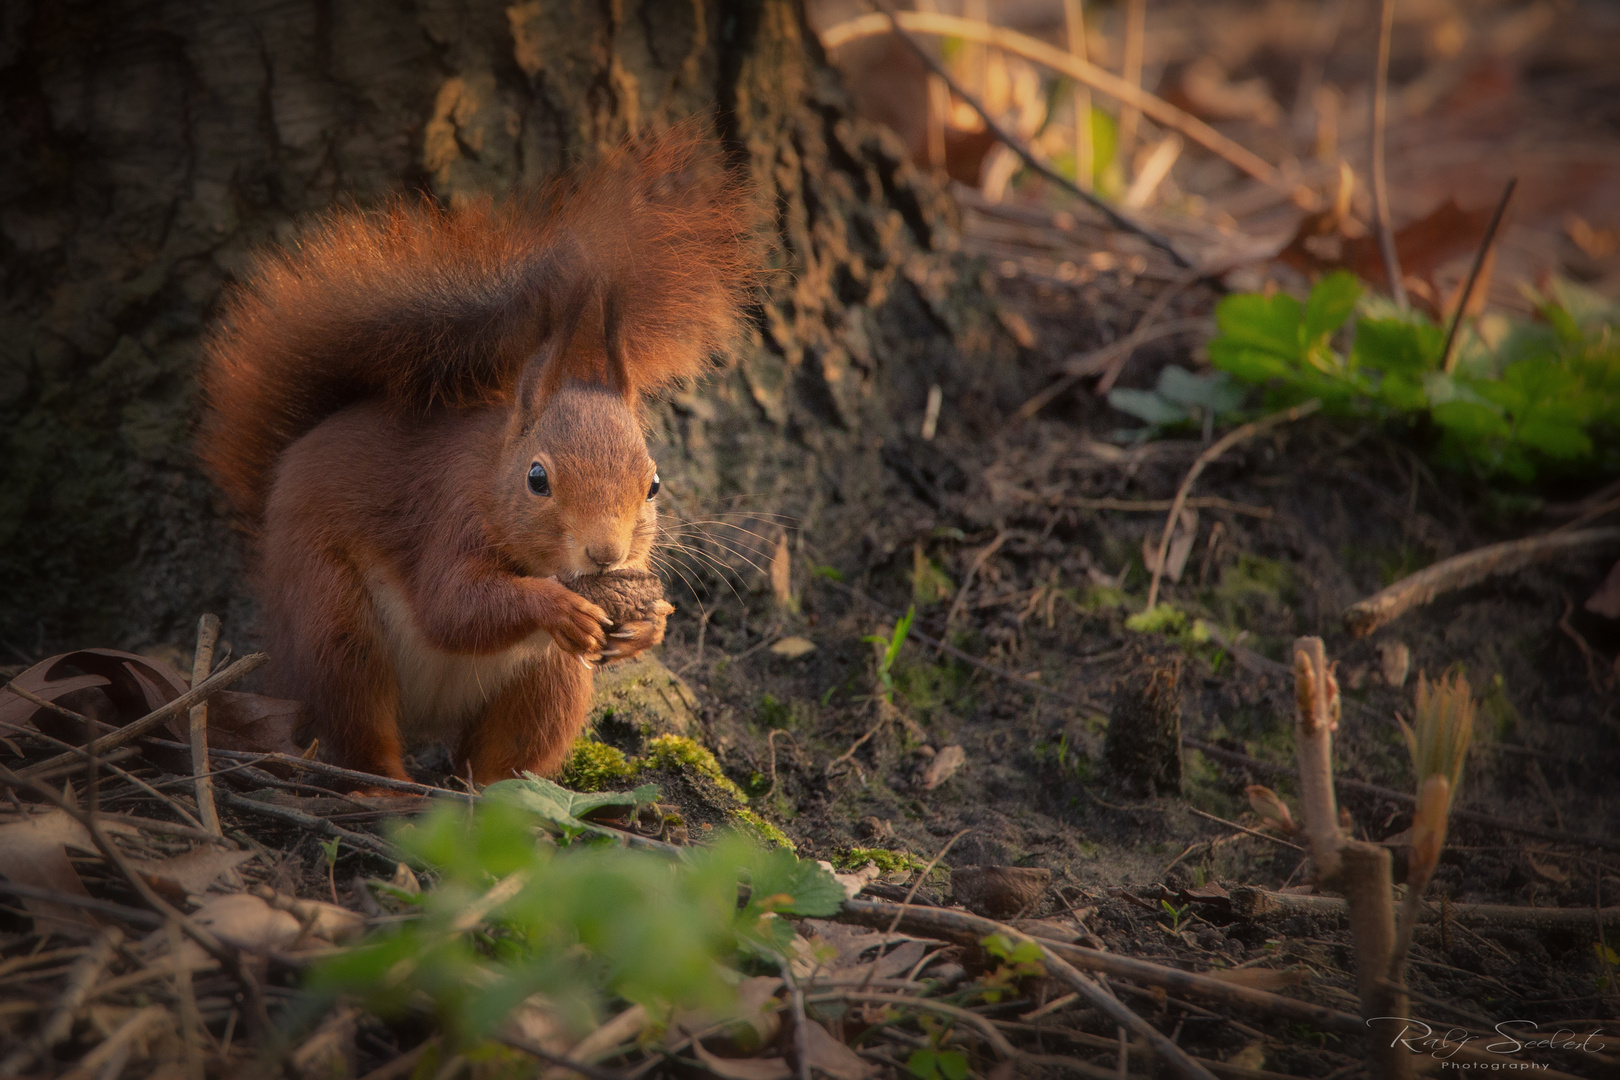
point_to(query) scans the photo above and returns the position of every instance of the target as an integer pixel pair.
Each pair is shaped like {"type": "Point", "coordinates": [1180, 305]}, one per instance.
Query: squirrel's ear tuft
{"type": "Point", "coordinates": [668, 235]}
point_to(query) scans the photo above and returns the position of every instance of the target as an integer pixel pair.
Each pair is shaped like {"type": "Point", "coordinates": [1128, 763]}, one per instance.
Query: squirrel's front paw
{"type": "Point", "coordinates": [627, 639]}
{"type": "Point", "coordinates": [574, 623]}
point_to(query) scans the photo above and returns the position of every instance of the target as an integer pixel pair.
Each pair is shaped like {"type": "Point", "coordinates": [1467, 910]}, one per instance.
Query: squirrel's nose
{"type": "Point", "coordinates": [605, 556]}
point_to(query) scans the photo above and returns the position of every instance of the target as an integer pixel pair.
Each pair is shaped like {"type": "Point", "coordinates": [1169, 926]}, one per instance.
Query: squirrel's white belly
{"type": "Point", "coordinates": [439, 692]}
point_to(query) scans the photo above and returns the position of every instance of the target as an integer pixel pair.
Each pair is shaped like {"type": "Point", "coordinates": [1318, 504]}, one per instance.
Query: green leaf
{"type": "Point", "coordinates": [1250, 363]}
{"type": "Point", "coordinates": [1332, 301]}
{"type": "Point", "coordinates": [563, 808]}
{"type": "Point", "coordinates": [783, 883]}
{"type": "Point", "coordinates": [923, 1064]}
{"type": "Point", "coordinates": [1471, 421]}
{"type": "Point", "coordinates": [1268, 324]}
{"type": "Point", "coordinates": [1402, 346]}
{"type": "Point", "coordinates": [1214, 391]}
{"type": "Point", "coordinates": [1555, 436]}
{"type": "Point", "coordinates": [953, 1064]}
{"type": "Point", "coordinates": [1146, 405]}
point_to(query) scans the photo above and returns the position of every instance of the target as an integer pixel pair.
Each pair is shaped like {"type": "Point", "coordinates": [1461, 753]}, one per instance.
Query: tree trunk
{"type": "Point", "coordinates": [152, 147]}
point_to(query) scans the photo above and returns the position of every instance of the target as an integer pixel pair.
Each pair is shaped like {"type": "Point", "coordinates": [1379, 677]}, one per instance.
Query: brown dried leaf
{"type": "Point", "coordinates": [943, 766]}
{"type": "Point", "coordinates": [1181, 544]}
{"type": "Point", "coordinates": [248, 922]}
{"type": "Point", "coordinates": [1553, 873]}
{"type": "Point", "coordinates": [1606, 601]}
{"type": "Point", "coordinates": [999, 891]}
{"type": "Point", "coordinates": [32, 852]}
{"type": "Point", "coordinates": [742, 1068]}
{"type": "Point", "coordinates": [832, 1057]}
{"type": "Point", "coordinates": [191, 874]}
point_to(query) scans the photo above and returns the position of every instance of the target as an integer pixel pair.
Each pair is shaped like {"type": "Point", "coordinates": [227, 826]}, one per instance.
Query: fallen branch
{"type": "Point", "coordinates": [1216, 449]}
{"type": "Point", "coordinates": [1049, 56]}
{"type": "Point", "coordinates": [900, 22]}
{"type": "Point", "coordinates": [157, 717]}
{"type": "Point", "coordinates": [202, 661]}
{"type": "Point", "coordinates": [1469, 568]}
{"type": "Point", "coordinates": [311, 823]}
{"type": "Point", "coordinates": [1256, 903]}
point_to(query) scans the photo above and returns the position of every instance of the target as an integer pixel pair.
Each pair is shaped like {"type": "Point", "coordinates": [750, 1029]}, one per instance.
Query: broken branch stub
{"type": "Point", "coordinates": [1316, 717]}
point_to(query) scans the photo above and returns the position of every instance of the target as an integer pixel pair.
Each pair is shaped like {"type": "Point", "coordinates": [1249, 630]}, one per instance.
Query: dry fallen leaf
{"type": "Point", "coordinates": [793, 647]}
{"type": "Point", "coordinates": [191, 874]}
{"type": "Point", "coordinates": [1181, 544]}
{"type": "Point", "coordinates": [943, 766]}
{"type": "Point", "coordinates": [832, 1057]}
{"type": "Point", "coordinates": [742, 1068]}
{"type": "Point", "coordinates": [247, 922]}
{"type": "Point", "coordinates": [1395, 662]}
{"type": "Point", "coordinates": [853, 883]}
{"type": "Point", "coordinates": [1606, 600]}
{"type": "Point", "coordinates": [1553, 873]}
{"type": "Point", "coordinates": [33, 852]}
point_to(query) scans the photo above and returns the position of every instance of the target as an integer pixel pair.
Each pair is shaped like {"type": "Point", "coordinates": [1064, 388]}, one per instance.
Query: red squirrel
{"type": "Point", "coordinates": [422, 416]}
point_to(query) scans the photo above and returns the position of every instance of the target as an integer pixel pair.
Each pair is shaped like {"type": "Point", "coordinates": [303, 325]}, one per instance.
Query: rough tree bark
{"type": "Point", "coordinates": [152, 146]}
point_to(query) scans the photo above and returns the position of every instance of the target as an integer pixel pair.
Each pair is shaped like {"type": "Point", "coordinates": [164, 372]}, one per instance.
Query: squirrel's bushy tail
{"type": "Point", "coordinates": [425, 307]}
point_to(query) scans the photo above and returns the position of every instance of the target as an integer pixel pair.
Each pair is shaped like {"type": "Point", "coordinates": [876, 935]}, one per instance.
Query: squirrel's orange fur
{"type": "Point", "coordinates": [376, 398]}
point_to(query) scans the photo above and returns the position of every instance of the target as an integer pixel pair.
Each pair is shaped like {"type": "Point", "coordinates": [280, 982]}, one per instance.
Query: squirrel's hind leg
{"type": "Point", "coordinates": [327, 650]}
{"type": "Point", "coordinates": [531, 724]}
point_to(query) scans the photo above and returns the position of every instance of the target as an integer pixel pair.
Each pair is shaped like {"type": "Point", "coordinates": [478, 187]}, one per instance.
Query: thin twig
{"type": "Point", "coordinates": [595, 1072]}
{"type": "Point", "coordinates": [1469, 568]}
{"type": "Point", "coordinates": [161, 715]}
{"type": "Point", "coordinates": [169, 801]}
{"type": "Point", "coordinates": [1361, 787]}
{"type": "Point", "coordinates": [967, 583]}
{"type": "Point", "coordinates": [1447, 361]}
{"type": "Point", "coordinates": [1021, 148]}
{"type": "Point", "coordinates": [81, 980]}
{"type": "Point", "coordinates": [310, 822]}
{"type": "Point", "coordinates": [229, 959]}
{"type": "Point", "coordinates": [1244, 828]}
{"type": "Point", "coordinates": [955, 1012]}
{"type": "Point", "coordinates": [1056, 59]}
{"type": "Point", "coordinates": [1380, 192]}
{"type": "Point", "coordinates": [1225, 443]}
{"type": "Point", "coordinates": [202, 661]}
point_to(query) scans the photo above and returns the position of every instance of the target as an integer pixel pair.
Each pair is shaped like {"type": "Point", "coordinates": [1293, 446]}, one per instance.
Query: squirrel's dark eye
{"type": "Point", "coordinates": [654, 489]}
{"type": "Point", "coordinates": [539, 482]}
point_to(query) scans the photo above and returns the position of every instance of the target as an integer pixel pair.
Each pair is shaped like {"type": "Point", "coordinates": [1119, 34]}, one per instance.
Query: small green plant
{"type": "Point", "coordinates": [890, 862]}
{"type": "Point", "coordinates": [891, 652]}
{"type": "Point", "coordinates": [1521, 397]}
{"type": "Point", "coordinates": [329, 849]}
{"type": "Point", "coordinates": [512, 915]}
{"type": "Point", "coordinates": [1179, 399]}
{"type": "Point", "coordinates": [1176, 914]}
{"type": "Point", "coordinates": [1019, 960]}
{"type": "Point", "coordinates": [929, 582]}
